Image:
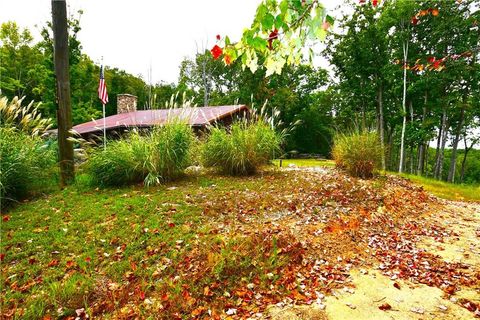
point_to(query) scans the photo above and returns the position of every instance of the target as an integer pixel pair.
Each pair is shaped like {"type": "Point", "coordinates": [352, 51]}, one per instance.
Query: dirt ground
{"type": "Point", "coordinates": [372, 293]}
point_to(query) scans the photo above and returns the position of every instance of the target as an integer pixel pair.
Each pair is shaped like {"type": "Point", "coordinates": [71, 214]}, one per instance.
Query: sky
{"type": "Point", "coordinates": [142, 35]}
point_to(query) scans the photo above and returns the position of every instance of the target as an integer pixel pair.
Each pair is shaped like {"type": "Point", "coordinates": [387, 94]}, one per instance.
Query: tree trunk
{"type": "Point", "coordinates": [380, 124]}
{"type": "Point", "coordinates": [364, 114]}
{"type": "Point", "coordinates": [456, 139]}
{"type": "Point", "coordinates": [437, 150]}
{"type": "Point", "coordinates": [422, 147]}
{"type": "Point", "coordinates": [412, 158]}
{"type": "Point", "coordinates": [464, 161]}
{"type": "Point", "coordinates": [441, 153]}
{"type": "Point", "coordinates": [205, 82]}
{"type": "Point", "coordinates": [404, 109]}
{"type": "Point", "coordinates": [64, 111]}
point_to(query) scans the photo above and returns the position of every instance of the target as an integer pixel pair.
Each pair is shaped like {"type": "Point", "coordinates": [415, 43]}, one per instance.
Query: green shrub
{"type": "Point", "coordinates": [169, 152]}
{"type": "Point", "coordinates": [26, 163]}
{"type": "Point", "coordinates": [121, 163]}
{"type": "Point", "coordinates": [158, 156]}
{"type": "Point", "coordinates": [357, 153]}
{"type": "Point", "coordinates": [241, 149]}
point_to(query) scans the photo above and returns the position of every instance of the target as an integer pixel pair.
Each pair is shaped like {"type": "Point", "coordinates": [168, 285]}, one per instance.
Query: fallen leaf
{"type": "Point", "coordinates": [53, 263]}
{"type": "Point", "coordinates": [385, 307]}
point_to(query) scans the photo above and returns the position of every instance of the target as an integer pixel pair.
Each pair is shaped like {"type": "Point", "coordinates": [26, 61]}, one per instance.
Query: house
{"type": "Point", "coordinates": [128, 117]}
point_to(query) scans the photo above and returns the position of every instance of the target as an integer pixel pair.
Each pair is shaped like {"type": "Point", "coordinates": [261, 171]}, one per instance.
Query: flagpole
{"type": "Point", "coordinates": [104, 129]}
{"type": "Point", "coordinates": [104, 121]}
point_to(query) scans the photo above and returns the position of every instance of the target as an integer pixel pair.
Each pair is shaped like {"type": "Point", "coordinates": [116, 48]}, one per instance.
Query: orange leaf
{"type": "Point", "coordinates": [53, 263]}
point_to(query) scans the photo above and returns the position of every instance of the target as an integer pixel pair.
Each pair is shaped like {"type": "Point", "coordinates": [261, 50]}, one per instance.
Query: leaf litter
{"type": "Point", "coordinates": [282, 240]}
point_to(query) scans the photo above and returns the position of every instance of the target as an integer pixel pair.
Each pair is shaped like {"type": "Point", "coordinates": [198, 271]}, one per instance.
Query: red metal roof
{"type": "Point", "coordinates": [200, 116]}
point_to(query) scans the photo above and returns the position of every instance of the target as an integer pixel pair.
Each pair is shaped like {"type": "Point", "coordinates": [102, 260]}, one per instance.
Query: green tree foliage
{"type": "Point", "coordinates": [296, 93]}
{"type": "Point", "coordinates": [27, 70]}
{"type": "Point", "coordinates": [441, 77]}
{"type": "Point", "coordinates": [22, 70]}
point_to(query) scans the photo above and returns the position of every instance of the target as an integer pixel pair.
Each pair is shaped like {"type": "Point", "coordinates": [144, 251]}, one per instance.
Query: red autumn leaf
{"type": "Point", "coordinates": [272, 36]}
{"type": "Point", "coordinates": [186, 294]}
{"type": "Point", "coordinates": [218, 37]}
{"type": "Point", "coordinates": [2, 256]}
{"type": "Point", "coordinates": [133, 265]}
{"type": "Point", "coordinates": [88, 259]}
{"type": "Point", "coordinates": [53, 263]}
{"type": "Point", "coordinates": [70, 264]}
{"type": "Point", "coordinates": [228, 60]}
{"type": "Point", "coordinates": [431, 59]}
{"type": "Point", "coordinates": [436, 64]}
{"type": "Point", "coordinates": [32, 260]}
{"type": "Point", "coordinates": [435, 12]}
{"type": "Point", "coordinates": [414, 20]}
{"type": "Point", "coordinates": [385, 307]}
{"type": "Point", "coordinates": [171, 224]}
{"type": "Point", "coordinates": [6, 218]}
{"type": "Point", "coordinates": [396, 285]}
{"type": "Point", "coordinates": [216, 52]}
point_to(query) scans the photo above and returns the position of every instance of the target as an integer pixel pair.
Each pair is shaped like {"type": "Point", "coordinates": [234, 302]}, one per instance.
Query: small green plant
{"type": "Point", "coordinates": [241, 149]}
{"type": "Point", "coordinates": [357, 153]}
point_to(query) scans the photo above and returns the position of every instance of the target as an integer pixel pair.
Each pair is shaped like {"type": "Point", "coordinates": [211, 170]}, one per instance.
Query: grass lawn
{"type": "Point", "coordinates": [304, 162]}
{"type": "Point", "coordinates": [450, 191]}
{"type": "Point", "coordinates": [203, 247]}
{"type": "Point", "coordinates": [131, 250]}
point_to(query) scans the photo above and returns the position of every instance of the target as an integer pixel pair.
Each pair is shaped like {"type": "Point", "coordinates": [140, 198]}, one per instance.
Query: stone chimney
{"type": "Point", "coordinates": [126, 103]}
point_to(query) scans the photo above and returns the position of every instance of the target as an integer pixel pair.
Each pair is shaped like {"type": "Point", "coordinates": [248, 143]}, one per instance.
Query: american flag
{"type": "Point", "coordinates": [102, 87]}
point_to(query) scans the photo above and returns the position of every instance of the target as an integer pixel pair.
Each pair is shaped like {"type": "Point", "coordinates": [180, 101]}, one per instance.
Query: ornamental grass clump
{"type": "Point", "coordinates": [121, 163]}
{"type": "Point", "coordinates": [170, 151]}
{"type": "Point", "coordinates": [357, 153]}
{"type": "Point", "coordinates": [242, 148]}
{"type": "Point", "coordinates": [26, 162]}
{"type": "Point", "coordinates": [152, 158]}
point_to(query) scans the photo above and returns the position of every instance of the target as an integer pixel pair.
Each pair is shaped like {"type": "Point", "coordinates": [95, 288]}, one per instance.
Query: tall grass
{"type": "Point", "coordinates": [169, 152]}
{"type": "Point", "coordinates": [357, 153]}
{"type": "Point", "coordinates": [121, 163]}
{"type": "Point", "coordinates": [154, 157]}
{"type": "Point", "coordinates": [241, 149]}
{"type": "Point", "coordinates": [26, 162]}
{"type": "Point", "coordinates": [27, 118]}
